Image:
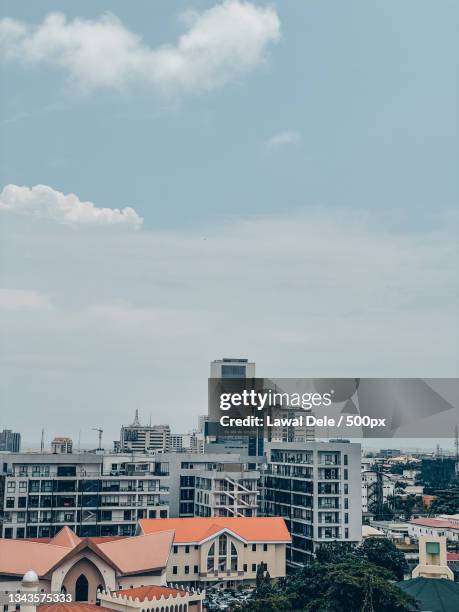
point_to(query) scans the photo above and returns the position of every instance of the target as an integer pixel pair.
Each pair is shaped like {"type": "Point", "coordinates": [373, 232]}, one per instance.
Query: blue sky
{"type": "Point", "coordinates": [297, 201]}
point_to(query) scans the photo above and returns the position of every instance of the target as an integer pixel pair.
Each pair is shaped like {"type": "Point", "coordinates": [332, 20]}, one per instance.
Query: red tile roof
{"type": "Point", "coordinates": [453, 556]}
{"type": "Point", "coordinates": [250, 529]}
{"type": "Point", "coordinates": [151, 592]}
{"type": "Point", "coordinates": [72, 607]}
{"type": "Point", "coordinates": [435, 522]}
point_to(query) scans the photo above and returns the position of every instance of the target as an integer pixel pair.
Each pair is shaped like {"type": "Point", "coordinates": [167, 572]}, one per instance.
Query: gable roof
{"type": "Point", "coordinates": [139, 553]}
{"type": "Point", "coordinates": [66, 537]}
{"type": "Point", "coordinates": [433, 594]}
{"type": "Point", "coordinates": [250, 529]}
{"type": "Point", "coordinates": [127, 555]}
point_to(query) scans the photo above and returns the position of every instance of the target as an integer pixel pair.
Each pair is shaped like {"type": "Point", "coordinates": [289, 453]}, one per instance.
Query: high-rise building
{"type": "Point", "coordinates": [10, 441]}
{"type": "Point", "coordinates": [93, 494]}
{"type": "Point", "coordinates": [138, 438]}
{"type": "Point", "coordinates": [232, 368]}
{"type": "Point", "coordinates": [316, 488]}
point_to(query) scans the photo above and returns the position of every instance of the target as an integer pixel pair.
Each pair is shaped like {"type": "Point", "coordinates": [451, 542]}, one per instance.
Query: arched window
{"type": "Point", "coordinates": [211, 558]}
{"type": "Point", "coordinates": [81, 588]}
{"type": "Point", "coordinates": [63, 589]}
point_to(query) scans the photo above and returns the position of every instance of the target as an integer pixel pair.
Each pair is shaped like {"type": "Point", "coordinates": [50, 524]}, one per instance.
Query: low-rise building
{"type": "Point", "coordinates": [222, 551]}
{"type": "Point", "coordinates": [440, 526]}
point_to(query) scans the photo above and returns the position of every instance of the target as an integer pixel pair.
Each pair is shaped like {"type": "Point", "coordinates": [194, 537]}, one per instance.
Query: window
{"type": "Point", "coordinates": [11, 487]}
{"type": "Point", "coordinates": [222, 550]}
{"type": "Point", "coordinates": [345, 459]}
{"type": "Point", "coordinates": [187, 569]}
{"type": "Point", "coordinates": [265, 547]}
{"type": "Point", "coordinates": [23, 486]}
{"type": "Point", "coordinates": [254, 567]}
{"type": "Point", "coordinates": [346, 517]}
{"type": "Point", "coordinates": [346, 503]}
{"type": "Point", "coordinates": [233, 558]}
{"type": "Point", "coordinates": [175, 550]}
{"type": "Point", "coordinates": [245, 567]}
{"type": "Point", "coordinates": [346, 533]}
{"type": "Point", "coordinates": [187, 549]}
{"type": "Point", "coordinates": [211, 558]}
{"type": "Point", "coordinates": [254, 547]}
{"type": "Point", "coordinates": [346, 489]}
{"type": "Point", "coordinates": [345, 474]}
{"type": "Point", "coordinates": [196, 569]}
{"type": "Point", "coordinates": [174, 569]}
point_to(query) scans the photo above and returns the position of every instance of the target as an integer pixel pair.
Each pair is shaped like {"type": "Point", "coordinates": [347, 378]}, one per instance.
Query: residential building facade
{"type": "Point", "coordinates": [93, 494]}
{"type": "Point", "coordinates": [316, 488]}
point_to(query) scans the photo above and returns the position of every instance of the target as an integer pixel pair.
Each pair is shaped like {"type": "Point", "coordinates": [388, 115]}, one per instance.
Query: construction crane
{"type": "Point", "coordinates": [101, 431]}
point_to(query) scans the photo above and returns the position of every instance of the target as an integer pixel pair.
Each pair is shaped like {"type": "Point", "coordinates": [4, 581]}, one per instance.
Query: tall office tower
{"type": "Point", "coordinates": [61, 445]}
{"type": "Point", "coordinates": [138, 438]}
{"type": "Point", "coordinates": [316, 488]}
{"type": "Point", "coordinates": [10, 441]}
{"type": "Point", "coordinates": [93, 494]}
{"type": "Point", "coordinates": [232, 368]}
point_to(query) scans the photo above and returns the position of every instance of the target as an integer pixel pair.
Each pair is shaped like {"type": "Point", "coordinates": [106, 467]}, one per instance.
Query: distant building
{"type": "Point", "coordinates": [377, 488]}
{"type": "Point", "coordinates": [10, 441]}
{"type": "Point", "coordinates": [138, 438]}
{"type": "Point", "coordinates": [389, 453]}
{"type": "Point", "coordinates": [61, 445]}
{"type": "Point", "coordinates": [232, 368]}
{"type": "Point", "coordinates": [446, 525]}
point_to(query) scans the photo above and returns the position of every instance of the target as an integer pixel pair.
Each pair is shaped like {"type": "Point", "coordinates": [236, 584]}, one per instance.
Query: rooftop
{"type": "Point", "coordinates": [433, 594]}
{"type": "Point", "coordinates": [250, 529]}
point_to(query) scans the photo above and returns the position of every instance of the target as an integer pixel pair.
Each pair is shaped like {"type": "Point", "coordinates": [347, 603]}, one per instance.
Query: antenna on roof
{"type": "Point", "coordinates": [42, 443]}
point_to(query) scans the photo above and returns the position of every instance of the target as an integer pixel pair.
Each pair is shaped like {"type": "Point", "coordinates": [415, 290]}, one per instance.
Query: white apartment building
{"type": "Point", "coordinates": [61, 445]}
{"type": "Point", "coordinates": [316, 488]}
{"type": "Point", "coordinates": [212, 484]}
{"type": "Point", "coordinates": [93, 494]}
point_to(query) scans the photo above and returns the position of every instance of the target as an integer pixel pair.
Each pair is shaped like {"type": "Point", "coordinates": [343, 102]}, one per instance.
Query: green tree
{"type": "Point", "coordinates": [383, 553]}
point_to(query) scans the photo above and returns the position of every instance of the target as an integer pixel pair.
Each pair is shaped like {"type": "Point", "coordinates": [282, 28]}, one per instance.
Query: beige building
{"type": "Point", "coordinates": [222, 551]}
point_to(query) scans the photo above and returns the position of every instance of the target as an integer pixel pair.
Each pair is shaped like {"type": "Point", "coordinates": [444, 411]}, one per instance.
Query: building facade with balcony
{"type": "Point", "coordinates": [93, 494]}
{"type": "Point", "coordinates": [316, 488]}
{"type": "Point", "coordinates": [211, 484]}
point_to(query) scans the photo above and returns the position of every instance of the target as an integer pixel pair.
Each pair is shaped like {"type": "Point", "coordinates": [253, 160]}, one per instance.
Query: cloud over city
{"type": "Point", "coordinates": [219, 45]}
{"type": "Point", "coordinates": [44, 202]}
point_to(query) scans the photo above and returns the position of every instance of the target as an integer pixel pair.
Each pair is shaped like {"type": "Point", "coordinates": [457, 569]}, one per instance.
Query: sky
{"type": "Point", "coordinates": [191, 179]}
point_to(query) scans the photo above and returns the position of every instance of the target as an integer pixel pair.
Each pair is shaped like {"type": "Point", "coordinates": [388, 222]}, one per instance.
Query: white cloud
{"type": "Point", "coordinates": [23, 299]}
{"type": "Point", "coordinates": [219, 45]}
{"type": "Point", "coordinates": [44, 202]}
{"type": "Point", "coordinates": [286, 137]}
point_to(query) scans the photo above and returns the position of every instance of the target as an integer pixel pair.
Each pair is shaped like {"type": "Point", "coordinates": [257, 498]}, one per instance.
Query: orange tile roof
{"type": "Point", "coordinates": [151, 592]}
{"type": "Point", "coordinates": [18, 556]}
{"type": "Point", "coordinates": [66, 537]}
{"type": "Point", "coordinates": [251, 529]}
{"type": "Point", "coordinates": [139, 553]}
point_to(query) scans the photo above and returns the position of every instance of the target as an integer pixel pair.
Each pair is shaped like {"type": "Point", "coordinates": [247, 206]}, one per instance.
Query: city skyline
{"type": "Point", "coordinates": [288, 195]}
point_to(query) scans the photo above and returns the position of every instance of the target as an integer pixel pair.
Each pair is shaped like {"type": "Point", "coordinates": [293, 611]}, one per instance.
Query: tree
{"type": "Point", "coordinates": [383, 553]}
{"type": "Point", "coordinates": [350, 585]}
